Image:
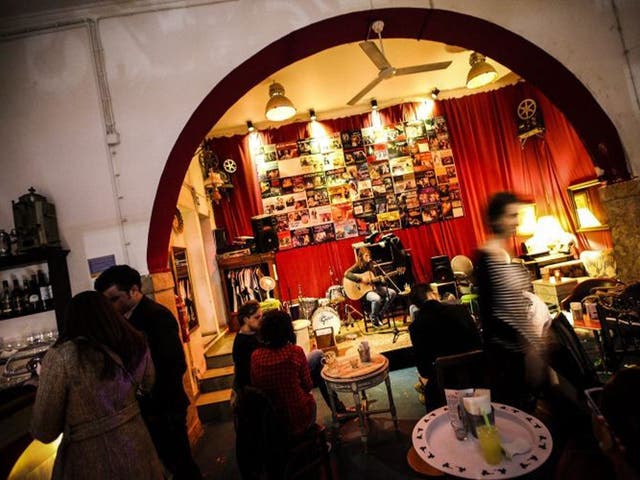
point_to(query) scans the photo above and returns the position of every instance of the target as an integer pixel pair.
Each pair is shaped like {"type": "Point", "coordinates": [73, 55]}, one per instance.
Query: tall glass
{"type": "Point", "coordinates": [489, 441]}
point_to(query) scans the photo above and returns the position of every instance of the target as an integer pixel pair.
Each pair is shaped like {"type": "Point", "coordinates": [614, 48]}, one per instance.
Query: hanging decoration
{"type": "Point", "coordinates": [217, 177]}
{"type": "Point", "coordinates": [529, 121]}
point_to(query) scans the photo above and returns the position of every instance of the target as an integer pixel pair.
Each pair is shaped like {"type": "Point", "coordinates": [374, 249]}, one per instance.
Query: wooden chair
{"type": "Point", "coordinates": [588, 287]}
{"type": "Point", "coordinates": [264, 450]}
{"type": "Point", "coordinates": [325, 339]}
{"type": "Point", "coordinates": [464, 370]}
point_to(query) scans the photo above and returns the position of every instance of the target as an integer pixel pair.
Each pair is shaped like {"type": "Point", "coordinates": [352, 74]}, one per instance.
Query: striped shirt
{"type": "Point", "coordinates": [504, 308]}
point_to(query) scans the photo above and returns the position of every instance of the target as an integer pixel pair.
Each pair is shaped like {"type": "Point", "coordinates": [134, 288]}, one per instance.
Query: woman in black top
{"type": "Point", "coordinates": [246, 341]}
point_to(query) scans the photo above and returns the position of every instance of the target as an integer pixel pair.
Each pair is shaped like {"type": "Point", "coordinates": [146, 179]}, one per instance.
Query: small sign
{"type": "Point", "coordinates": [100, 264]}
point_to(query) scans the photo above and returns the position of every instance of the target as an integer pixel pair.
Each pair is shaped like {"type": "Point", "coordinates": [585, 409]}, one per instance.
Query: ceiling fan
{"type": "Point", "coordinates": [386, 69]}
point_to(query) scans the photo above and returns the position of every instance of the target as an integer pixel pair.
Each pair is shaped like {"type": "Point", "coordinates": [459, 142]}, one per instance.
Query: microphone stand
{"type": "Point", "coordinates": [396, 331]}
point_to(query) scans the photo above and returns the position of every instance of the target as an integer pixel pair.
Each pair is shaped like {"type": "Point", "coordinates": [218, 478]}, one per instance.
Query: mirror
{"type": "Point", "coordinates": [587, 208]}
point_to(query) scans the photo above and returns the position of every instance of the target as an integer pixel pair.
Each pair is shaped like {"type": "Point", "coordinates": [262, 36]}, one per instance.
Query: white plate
{"type": "Point", "coordinates": [435, 442]}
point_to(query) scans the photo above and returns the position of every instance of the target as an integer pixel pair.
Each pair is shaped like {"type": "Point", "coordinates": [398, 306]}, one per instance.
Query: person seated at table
{"type": "Point", "coordinates": [279, 368]}
{"type": "Point", "coordinates": [438, 329]}
{"type": "Point", "coordinates": [248, 340]}
{"type": "Point", "coordinates": [380, 296]}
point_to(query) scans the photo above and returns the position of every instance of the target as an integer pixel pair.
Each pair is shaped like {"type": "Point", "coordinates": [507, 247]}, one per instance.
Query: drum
{"type": "Point", "coordinates": [335, 294]}
{"type": "Point", "coordinates": [307, 306]}
{"type": "Point", "coordinates": [326, 317]}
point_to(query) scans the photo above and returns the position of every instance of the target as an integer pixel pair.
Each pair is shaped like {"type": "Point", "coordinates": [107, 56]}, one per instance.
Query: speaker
{"type": "Point", "coordinates": [265, 232]}
{"type": "Point", "coordinates": [441, 269]}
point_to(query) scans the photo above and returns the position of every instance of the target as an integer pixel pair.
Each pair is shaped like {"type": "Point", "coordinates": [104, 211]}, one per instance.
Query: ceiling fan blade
{"type": "Point", "coordinates": [428, 67]}
{"type": "Point", "coordinates": [365, 90]}
{"type": "Point", "coordinates": [374, 53]}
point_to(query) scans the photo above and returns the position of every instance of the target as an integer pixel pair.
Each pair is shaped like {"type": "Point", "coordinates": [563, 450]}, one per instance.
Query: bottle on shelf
{"type": "Point", "coordinates": [26, 305]}
{"type": "Point", "coordinates": [6, 309]}
{"type": "Point", "coordinates": [45, 291]}
{"type": "Point", "coordinates": [17, 298]}
{"type": "Point", "coordinates": [35, 301]}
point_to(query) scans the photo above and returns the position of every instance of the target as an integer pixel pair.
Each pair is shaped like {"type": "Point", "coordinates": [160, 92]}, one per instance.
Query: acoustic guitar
{"type": "Point", "coordinates": [357, 290]}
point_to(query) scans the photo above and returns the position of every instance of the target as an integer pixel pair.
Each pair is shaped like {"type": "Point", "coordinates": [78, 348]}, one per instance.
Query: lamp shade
{"type": "Point", "coordinates": [278, 107]}
{"type": "Point", "coordinates": [481, 72]}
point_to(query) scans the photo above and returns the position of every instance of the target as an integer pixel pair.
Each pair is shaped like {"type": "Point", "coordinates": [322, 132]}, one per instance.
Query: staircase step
{"type": "Point", "coordinates": [214, 406]}
{"type": "Point", "coordinates": [217, 379]}
{"type": "Point", "coordinates": [219, 354]}
{"type": "Point", "coordinates": [219, 361]}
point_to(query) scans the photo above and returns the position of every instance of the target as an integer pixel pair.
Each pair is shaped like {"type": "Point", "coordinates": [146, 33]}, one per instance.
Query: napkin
{"type": "Point", "coordinates": [479, 403]}
{"type": "Point", "coordinates": [517, 447]}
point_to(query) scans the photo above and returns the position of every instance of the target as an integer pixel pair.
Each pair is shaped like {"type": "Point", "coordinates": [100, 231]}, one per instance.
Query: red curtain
{"type": "Point", "coordinates": [488, 156]}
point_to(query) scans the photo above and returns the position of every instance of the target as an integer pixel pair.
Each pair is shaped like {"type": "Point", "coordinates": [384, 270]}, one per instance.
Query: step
{"type": "Point", "coordinates": [219, 354]}
{"type": "Point", "coordinates": [214, 407]}
{"type": "Point", "coordinates": [217, 379]}
{"type": "Point", "coordinates": [219, 361]}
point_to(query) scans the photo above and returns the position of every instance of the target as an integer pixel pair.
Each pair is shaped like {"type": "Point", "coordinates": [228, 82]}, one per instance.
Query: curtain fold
{"type": "Point", "coordinates": [488, 157]}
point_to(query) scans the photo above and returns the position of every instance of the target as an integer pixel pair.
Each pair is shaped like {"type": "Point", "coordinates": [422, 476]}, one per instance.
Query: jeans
{"type": "Point", "coordinates": [381, 299]}
{"type": "Point", "coordinates": [314, 360]}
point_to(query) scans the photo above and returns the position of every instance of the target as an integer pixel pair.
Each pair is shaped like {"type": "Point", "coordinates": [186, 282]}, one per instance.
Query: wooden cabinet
{"type": "Point", "coordinates": [53, 261]}
{"type": "Point", "coordinates": [554, 292]}
{"type": "Point", "coordinates": [239, 278]}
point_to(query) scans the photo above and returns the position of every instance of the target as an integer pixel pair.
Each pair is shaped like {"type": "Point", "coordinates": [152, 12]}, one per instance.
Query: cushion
{"type": "Point", "coordinates": [599, 263]}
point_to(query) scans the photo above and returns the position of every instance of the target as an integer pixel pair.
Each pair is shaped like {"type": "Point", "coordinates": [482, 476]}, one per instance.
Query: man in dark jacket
{"type": "Point", "coordinates": [438, 329]}
{"type": "Point", "coordinates": [165, 411]}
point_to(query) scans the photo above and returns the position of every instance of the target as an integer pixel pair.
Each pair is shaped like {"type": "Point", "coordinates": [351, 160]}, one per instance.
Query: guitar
{"type": "Point", "coordinates": [357, 290]}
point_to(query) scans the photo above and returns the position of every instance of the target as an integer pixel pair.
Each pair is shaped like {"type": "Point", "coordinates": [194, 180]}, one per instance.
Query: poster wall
{"type": "Point", "coordinates": [358, 182]}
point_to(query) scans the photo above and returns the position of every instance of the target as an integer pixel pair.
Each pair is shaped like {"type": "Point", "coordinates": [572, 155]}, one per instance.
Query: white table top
{"type": "Point", "coordinates": [435, 442]}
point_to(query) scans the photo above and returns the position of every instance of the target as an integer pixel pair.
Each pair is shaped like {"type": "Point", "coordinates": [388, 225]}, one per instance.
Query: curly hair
{"type": "Point", "coordinates": [277, 329]}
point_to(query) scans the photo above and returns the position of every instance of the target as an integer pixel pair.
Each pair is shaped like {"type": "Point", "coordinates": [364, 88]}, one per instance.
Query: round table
{"type": "Point", "coordinates": [344, 378]}
{"type": "Point", "coordinates": [434, 441]}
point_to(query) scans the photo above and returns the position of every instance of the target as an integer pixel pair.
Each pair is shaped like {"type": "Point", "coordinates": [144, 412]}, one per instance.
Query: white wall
{"type": "Point", "coordinates": [161, 65]}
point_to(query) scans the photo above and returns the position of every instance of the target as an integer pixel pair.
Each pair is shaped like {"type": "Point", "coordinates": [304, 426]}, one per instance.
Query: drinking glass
{"type": "Point", "coordinates": [489, 441]}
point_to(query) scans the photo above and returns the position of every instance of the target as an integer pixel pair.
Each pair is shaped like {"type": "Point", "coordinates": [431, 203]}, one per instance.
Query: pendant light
{"type": "Point", "coordinates": [481, 72]}
{"type": "Point", "coordinates": [278, 107]}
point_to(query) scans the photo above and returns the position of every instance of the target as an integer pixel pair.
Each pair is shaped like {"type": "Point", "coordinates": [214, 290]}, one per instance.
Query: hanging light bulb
{"type": "Point", "coordinates": [250, 127]}
{"type": "Point", "coordinates": [278, 107]}
{"type": "Point", "coordinates": [312, 115]}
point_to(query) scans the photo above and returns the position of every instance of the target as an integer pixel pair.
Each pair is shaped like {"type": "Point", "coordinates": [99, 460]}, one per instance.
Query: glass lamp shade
{"type": "Point", "coordinates": [481, 73]}
{"type": "Point", "coordinates": [278, 107]}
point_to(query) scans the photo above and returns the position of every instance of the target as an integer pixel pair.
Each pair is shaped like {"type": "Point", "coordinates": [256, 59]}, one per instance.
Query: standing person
{"type": "Point", "coordinates": [511, 339]}
{"type": "Point", "coordinates": [380, 296]}
{"type": "Point", "coordinates": [166, 411]}
{"type": "Point", "coordinates": [87, 392]}
{"type": "Point", "coordinates": [246, 341]}
{"type": "Point", "coordinates": [279, 368]}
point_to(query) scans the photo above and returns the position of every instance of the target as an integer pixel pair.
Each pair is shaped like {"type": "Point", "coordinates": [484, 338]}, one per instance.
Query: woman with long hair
{"type": "Point", "coordinates": [87, 392]}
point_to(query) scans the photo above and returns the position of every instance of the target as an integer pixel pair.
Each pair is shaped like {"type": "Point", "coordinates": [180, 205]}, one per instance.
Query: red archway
{"type": "Point", "coordinates": [592, 124]}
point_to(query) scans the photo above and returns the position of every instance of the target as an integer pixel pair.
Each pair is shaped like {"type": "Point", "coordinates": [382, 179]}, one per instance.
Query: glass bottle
{"type": "Point", "coordinates": [45, 291]}
{"type": "Point", "coordinates": [17, 298]}
{"type": "Point", "coordinates": [35, 301]}
{"type": "Point", "coordinates": [6, 310]}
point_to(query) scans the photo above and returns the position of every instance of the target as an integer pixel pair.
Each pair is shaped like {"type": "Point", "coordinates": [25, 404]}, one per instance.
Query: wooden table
{"type": "Point", "coordinates": [342, 377]}
{"type": "Point", "coordinates": [586, 323]}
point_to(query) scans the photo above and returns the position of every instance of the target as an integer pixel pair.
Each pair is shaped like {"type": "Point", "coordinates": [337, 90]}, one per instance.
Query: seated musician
{"type": "Point", "coordinates": [364, 273]}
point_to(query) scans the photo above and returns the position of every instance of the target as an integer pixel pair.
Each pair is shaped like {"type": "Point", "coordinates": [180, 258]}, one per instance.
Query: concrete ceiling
{"type": "Point", "coordinates": [327, 80]}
